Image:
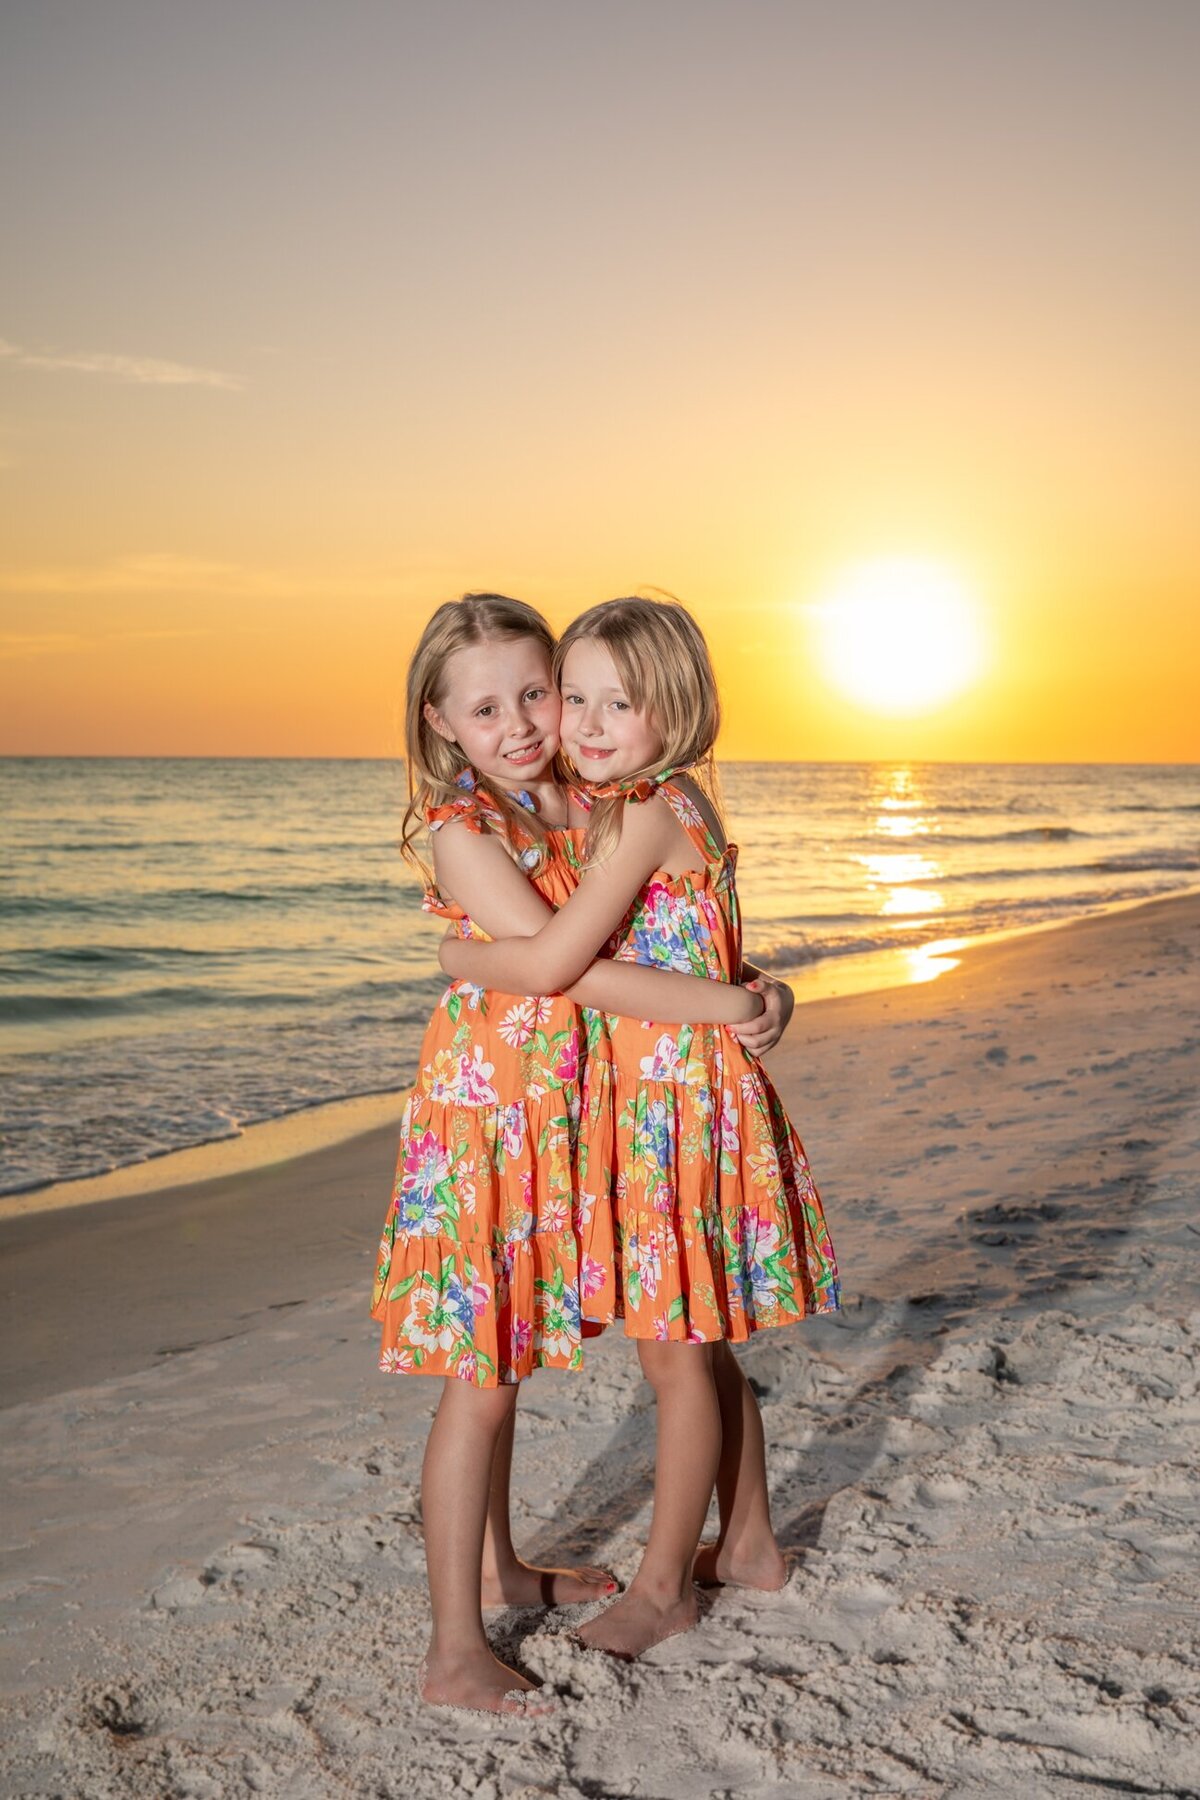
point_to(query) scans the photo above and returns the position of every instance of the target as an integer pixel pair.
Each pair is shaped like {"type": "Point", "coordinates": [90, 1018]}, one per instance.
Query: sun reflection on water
{"type": "Point", "coordinates": [893, 875]}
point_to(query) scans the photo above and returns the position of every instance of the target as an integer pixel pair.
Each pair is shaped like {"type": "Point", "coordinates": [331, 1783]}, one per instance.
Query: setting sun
{"type": "Point", "coordinates": [899, 635]}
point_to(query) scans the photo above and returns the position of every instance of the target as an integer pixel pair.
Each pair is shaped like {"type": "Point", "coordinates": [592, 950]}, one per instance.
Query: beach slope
{"type": "Point", "coordinates": [984, 1469]}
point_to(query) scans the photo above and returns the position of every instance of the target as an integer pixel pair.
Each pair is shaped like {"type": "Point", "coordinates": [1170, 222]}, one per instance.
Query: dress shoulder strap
{"type": "Point", "coordinates": [473, 807]}
{"type": "Point", "coordinates": [692, 820]}
{"type": "Point", "coordinates": [637, 792]}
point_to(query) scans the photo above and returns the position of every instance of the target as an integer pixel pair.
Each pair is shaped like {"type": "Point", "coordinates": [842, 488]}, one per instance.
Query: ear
{"type": "Point", "coordinates": [432, 716]}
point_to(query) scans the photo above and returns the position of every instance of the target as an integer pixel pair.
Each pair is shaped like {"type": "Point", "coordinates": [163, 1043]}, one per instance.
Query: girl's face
{"type": "Point", "coordinates": [603, 735]}
{"type": "Point", "coordinates": [500, 706]}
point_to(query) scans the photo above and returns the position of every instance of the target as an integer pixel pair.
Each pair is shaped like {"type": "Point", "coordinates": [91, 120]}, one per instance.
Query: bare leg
{"type": "Point", "coordinates": [460, 1669]}
{"type": "Point", "coordinates": [661, 1599]}
{"type": "Point", "coordinates": [507, 1581]}
{"type": "Point", "coordinates": [745, 1553]}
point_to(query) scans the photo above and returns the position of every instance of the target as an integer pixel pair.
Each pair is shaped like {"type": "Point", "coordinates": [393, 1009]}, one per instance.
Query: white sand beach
{"type": "Point", "coordinates": [984, 1470]}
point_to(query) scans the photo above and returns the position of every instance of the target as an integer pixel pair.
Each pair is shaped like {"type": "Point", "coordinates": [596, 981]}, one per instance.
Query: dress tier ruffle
{"type": "Point", "coordinates": [720, 1230]}
{"type": "Point", "coordinates": [480, 1265]}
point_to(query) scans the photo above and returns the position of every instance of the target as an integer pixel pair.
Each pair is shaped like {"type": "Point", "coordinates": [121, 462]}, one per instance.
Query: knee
{"type": "Point", "coordinates": [487, 1409]}
{"type": "Point", "coordinates": [668, 1367]}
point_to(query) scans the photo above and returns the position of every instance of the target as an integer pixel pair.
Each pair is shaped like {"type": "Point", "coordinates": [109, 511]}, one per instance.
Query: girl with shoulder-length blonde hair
{"type": "Point", "coordinates": [494, 1260]}
{"type": "Point", "coordinates": [718, 1228]}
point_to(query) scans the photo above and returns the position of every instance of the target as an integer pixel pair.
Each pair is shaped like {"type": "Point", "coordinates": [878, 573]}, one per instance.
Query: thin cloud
{"type": "Point", "coordinates": [161, 574]}
{"type": "Point", "coordinates": [147, 371]}
{"type": "Point", "coordinates": [19, 646]}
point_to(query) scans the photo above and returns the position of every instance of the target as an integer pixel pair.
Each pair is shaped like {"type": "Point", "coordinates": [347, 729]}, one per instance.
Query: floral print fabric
{"type": "Point", "coordinates": [479, 1268]}
{"type": "Point", "coordinates": [719, 1229]}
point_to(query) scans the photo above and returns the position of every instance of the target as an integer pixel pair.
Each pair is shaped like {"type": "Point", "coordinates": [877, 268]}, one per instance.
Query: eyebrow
{"type": "Point", "coordinates": [491, 699]}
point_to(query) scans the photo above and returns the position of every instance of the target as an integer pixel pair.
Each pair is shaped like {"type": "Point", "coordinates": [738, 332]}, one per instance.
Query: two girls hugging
{"type": "Point", "coordinates": [591, 1136]}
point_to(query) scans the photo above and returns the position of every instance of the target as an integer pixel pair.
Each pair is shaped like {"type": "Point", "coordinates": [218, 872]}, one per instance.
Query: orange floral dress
{"type": "Point", "coordinates": [719, 1229]}
{"type": "Point", "coordinates": [479, 1267]}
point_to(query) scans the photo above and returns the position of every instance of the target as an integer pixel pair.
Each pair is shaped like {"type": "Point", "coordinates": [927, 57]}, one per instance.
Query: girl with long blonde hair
{"type": "Point", "coordinates": [491, 1242]}
{"type": "Point", "coordinates": [718, 1228]}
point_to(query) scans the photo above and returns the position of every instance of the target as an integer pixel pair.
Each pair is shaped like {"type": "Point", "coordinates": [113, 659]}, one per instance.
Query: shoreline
{"type": "Point", "coordinates": [331, 1123]}
{"type": "Point", "coordinates": [982, 1467]}
{"type": "Point", "coordinates": [158, 1273]}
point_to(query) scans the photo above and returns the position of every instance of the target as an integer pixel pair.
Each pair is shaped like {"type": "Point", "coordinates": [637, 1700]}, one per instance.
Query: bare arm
{"type": "Point", "coordinates": [663, 995]}
{"type": "Point", "coordinates": [561, 949]}
{"type": "Point", "coordinates": [763, 1033]}
{"type": "Point", "coordinates": [478, 873]}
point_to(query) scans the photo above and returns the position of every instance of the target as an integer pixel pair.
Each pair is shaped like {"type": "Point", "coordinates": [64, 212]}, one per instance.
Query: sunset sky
{"type": "Point", "coordinates": [315, 316]}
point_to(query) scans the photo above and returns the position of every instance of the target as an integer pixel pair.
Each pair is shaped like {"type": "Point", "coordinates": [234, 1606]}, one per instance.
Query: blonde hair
{"type": "Point", "coordinates": [433, 763]}
{"type": "Point", "coordinates": [665, 670]}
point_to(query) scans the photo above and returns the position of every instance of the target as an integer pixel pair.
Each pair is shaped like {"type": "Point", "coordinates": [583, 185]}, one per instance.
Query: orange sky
{"type": "Point", "coordinates": [321, 317]}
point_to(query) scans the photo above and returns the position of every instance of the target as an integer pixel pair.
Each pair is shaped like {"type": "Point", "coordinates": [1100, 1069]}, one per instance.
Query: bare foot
{"type": "Point", "coordinates": [716, 1565]}
{"type": "Point", "coordinates": [480, 1682]}
{"type": "Point", "coordinates": [522, 1585]}
{"type": "Point", "coordinates": [636, 1621]}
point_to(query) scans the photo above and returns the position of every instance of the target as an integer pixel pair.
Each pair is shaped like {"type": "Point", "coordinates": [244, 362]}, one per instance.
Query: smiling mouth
{"type": "Point", "coordinates": [584, 750]}
{"type": "Point", "coordinates": [525, 754]}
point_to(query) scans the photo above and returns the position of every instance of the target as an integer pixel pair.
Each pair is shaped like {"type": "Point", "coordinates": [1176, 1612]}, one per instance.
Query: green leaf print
{"type": "Point", "coordinates": [675, 1310]}
{"type": "Point", "coordinates": [454, 1008]}
{"type": "Point", "coordinates": [633, 1287]}
{"type": "Point", "coordinates": [554, 1288]}
{"type": "Point", "coordinates": [543, 1139]}
{"type": "Point", "coordinates": [399, 1291]}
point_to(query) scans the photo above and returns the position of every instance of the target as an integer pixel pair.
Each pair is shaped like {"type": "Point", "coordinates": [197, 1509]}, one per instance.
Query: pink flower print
{"type": "Point", "coordinates": [512, 1129]}
{"type": "Point", "coordinates": [585, 1205]}
{"type": "Point", "coordinates": [567, 1067]}
{"type": "Point", "coordinates": [396, 1361]}
{"type": "Point", "coordinates": [475, 1080]}
{"type": "Point", "coordinates": [730, 1138]}
{"type": "Point", "coordinates": [480, 1296]}
{"type": "Point", "coordinates": [521, 1337]}
{"type": "Point", "coordinates": [665, 1064]}
{"type": "Point", "coordinates": [661, 1329]}
{"type": "Point", "coordinates": [502, 1266]}
{"type": "Point", "coordinates": [467, 1367]}
{"type": "Point", "coordinates": [419, 1199]}
{"type": "Point", "coordinates": [591, 1277]}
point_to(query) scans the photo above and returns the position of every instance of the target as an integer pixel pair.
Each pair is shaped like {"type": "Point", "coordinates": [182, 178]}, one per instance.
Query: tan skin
{"type": "Point", "coordinates": [709, 1429]}
{"type": "Point", "coordinates": [499, 706]}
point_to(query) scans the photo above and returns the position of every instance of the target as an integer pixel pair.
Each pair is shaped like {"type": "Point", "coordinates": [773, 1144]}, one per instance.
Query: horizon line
{"type": "Point", "coordinates": [835, 762]}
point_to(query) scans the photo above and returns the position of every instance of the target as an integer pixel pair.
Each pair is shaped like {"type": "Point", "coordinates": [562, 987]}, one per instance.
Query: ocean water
{"type": "Point", "coordinates": [189, 946]}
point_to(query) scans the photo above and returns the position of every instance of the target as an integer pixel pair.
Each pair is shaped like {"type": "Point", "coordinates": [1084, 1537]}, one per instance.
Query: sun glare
{"type": "Point", "coordinates": [899, 635]}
